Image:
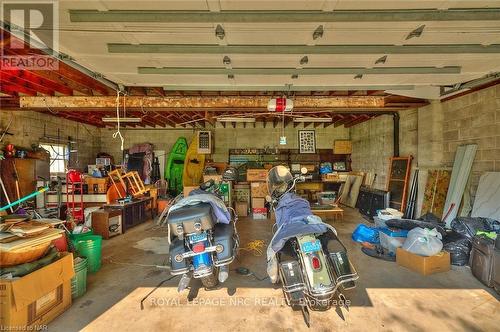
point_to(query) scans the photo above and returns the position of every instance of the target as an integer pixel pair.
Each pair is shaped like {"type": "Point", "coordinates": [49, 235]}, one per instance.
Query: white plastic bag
{"type": "Point", "coordinates": [423, 242]}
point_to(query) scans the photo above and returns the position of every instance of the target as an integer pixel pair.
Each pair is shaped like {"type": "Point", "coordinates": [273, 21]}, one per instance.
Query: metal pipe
{"type": "Point", "coordinates": [395, 118]}
{"type": "Point", "coordinates": [25, 198]}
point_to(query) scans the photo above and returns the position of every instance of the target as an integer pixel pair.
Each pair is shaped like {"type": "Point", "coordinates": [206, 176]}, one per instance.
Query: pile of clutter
{"type": "Point", "coordinates": [468, 240]}
{"type": "Point", "coordinates": [42, 266]}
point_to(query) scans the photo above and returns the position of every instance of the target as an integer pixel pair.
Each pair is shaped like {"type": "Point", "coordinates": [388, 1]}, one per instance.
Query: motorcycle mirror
{"type": "Point", "coordinates": [303, 170]}
{"type": "Point", "coordinates": [268, 199]}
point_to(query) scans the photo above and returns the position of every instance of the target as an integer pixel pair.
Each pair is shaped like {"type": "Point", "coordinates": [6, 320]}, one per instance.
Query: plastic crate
{"type": "Point", "coordinates": [392, 239]}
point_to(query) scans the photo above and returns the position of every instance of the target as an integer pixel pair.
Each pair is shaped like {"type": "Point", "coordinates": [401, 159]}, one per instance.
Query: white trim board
{"type": "Point", "coordinates": [464, 157]}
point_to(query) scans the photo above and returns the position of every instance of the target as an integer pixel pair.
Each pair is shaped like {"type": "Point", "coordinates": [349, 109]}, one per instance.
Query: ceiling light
{"type": "Point", "coordinates": [304, 60]}
{"type": "Point", "coordinates": [358, 76]}
{"type": "Point", "coordinates": [234, 119]}
{"type": "Point", "coordinates": [129, 120]}
{"type": "Point", "coordinates": [318, 33]}
{"type": "Point", "coordinates": [219, 32]}
{"type": "Point", "coordinates": [381, 60]}
{"type": "Point", "coordinates": [226, 60]}
{"type": "Point", "coordinates": [308, 119]}
{"type": "Point", "coordinates": [416, 33]}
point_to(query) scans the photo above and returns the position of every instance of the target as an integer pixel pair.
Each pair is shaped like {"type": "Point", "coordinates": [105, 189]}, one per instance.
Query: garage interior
{"type": "Point", "coordinates": [392, 108]}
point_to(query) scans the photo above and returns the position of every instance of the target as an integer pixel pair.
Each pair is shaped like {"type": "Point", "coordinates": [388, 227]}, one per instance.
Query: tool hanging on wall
{"type": "Point", "coordinates": [16, 179]}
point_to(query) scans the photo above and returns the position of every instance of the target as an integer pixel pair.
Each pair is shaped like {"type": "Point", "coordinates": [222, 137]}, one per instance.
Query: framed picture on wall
{"type": "Point", "coordinates": [307, 141]}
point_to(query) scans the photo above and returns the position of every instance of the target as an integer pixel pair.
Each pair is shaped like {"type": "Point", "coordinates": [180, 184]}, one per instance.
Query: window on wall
{"type": "Point", "coordinates": [58, 157]}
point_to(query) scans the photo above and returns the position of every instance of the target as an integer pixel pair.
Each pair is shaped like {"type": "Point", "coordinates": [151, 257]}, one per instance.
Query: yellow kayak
{"type": "Point", "coordinates": [193, 165]}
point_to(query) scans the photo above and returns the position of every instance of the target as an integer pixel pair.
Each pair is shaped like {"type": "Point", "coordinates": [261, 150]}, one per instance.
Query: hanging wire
{"type": "Point", "coordinates": [118, 133]}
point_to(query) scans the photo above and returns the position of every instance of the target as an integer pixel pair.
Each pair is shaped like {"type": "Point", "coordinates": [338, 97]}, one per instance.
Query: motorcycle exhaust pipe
{"type": "Point", "coordinates": [223, 273]}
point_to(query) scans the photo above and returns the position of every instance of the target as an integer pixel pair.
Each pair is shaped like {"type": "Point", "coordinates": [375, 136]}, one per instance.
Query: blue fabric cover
{"type": "Point", "coordinates": [294, 218]}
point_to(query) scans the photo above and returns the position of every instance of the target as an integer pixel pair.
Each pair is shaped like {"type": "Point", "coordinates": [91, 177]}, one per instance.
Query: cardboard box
{"type": "Point", "coordinates": [256, 175]}
{"type": "Point", "coordinates": [241, 209]}
{"type": "Point", "coordinates": [423, 265]}
{"type": "Point", "coordinates": [188, 189]}
{"type": "Point", "coordinates": [37, 298]}
{"type": "Point", "coordinates": [330, 177]}
{"type": "Point", "coordinates": [258, 203]}
{"type": "Point", "coordinates": [96, 185]}
{"type": "Point", "coordinates": [259, 189]}
{"type": "Point", "coordinates": [259, 213]}
{"type": "Point", "coordinates": [107, 223]}
{"type": "Point", "coordinates": [342, 147]}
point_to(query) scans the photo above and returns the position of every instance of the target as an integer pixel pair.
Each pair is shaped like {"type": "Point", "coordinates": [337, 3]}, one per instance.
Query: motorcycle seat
{"type": "Point", "coordinates": [200, 211]}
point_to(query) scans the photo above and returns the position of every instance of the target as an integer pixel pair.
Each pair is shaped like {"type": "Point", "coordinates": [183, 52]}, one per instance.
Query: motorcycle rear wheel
{"type": "Point", "coordinates": [212, 280]}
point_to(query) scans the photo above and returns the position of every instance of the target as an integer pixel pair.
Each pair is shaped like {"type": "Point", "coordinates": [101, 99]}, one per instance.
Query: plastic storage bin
{"type": "Point", "coordinates": [391, 239]}
{"type": "Point", "coordinates": [327, 197]}
{"type": "Point", "coordinates": [379, 222]}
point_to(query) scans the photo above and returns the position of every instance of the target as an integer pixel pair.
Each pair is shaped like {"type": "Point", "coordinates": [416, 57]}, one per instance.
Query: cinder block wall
{"type": "Point", "coordinates": [224, 138]}
{"type": "Point", "coordinates": [372, 145]}
{"type": "Point", "coordinates": [432, 134]}
{"type": "Point", "coordinates": [29, 128]}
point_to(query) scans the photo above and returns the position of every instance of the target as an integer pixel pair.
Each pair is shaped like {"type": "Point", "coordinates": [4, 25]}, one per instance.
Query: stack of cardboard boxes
{"type": "Point", "coordinates": [258, 192]}
{"type": "Point", "coordinates": [242, 199]}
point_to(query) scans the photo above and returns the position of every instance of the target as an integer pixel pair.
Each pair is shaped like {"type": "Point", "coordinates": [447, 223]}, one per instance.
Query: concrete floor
{"type": "Point", "coordinates": [387, 297]}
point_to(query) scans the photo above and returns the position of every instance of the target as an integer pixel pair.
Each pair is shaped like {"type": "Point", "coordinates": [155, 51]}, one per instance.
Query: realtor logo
{"type": "Point", "coordinates": [30, 34]}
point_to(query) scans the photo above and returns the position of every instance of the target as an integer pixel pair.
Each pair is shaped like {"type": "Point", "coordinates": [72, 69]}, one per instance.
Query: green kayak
{"type": "Point", "coordinates": [175, 166]}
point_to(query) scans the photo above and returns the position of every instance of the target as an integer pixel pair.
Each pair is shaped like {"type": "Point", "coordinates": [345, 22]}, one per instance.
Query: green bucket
{"type": "Point", "coordinates": [79, 281]}
{"type": "Point", "coordinates": [90, 246]}
{"type": "Point", "coordinates": [75, 237]}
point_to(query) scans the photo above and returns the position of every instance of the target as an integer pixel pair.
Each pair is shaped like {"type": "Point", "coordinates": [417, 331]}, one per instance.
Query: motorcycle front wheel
{"type": "Point", "coordinates": [212, 280]}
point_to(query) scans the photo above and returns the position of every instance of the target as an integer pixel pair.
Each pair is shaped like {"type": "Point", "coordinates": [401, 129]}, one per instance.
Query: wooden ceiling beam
{"type": "Point", "coordinates": [14, 89]}
{"type": "Point", "coordinates": [19, 80]}
{"type": "Point", "coordinates": [357, 120]}
{"type": "Point", "coordinates": [206, 102]}
{"type": "Point", "coordinates": [360, 119]}
{"type": "Point", "coordinates": [41, 81]}
{"type": "Point", "coordinates": [346, 119]}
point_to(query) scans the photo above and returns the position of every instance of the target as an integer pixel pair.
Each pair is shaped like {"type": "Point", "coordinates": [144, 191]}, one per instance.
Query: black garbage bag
{"type": "Point", "coordinates": [459, 246]}
{"type": "Point", "coordinates": [468, 226]}
{"type": "Point", "coordinates": [409, 224]}
{"type": "Point", "coordinates": [429, 217]}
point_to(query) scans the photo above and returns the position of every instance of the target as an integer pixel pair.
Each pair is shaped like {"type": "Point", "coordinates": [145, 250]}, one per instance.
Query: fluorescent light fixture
{"type": "Point", "coordinates": [306, 119]}
{"type": "Point", "coordinates": [129, 120]}
{"type": "Point", "coordinates": [229, 119]}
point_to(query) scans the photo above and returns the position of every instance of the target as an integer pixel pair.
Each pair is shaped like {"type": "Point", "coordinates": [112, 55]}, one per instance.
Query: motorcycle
{"type": "Point", "coordinates": [305, 253]}
{"type": "Point", "coordinates": [202, 236]}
